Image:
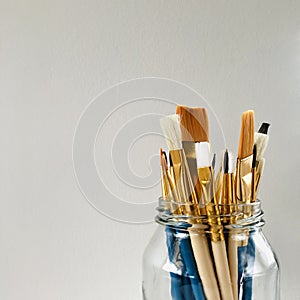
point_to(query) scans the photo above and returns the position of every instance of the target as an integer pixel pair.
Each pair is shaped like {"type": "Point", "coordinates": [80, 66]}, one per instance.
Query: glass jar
{"type": "Point", "coordinates": [180, 261]}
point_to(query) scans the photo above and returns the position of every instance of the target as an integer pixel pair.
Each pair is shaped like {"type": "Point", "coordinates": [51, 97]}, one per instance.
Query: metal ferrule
{"type": "Point", "coordinates": [203, 188]}
{"type": "Point", "coordinates": [214, 220]}
{"type": "Point", "coordinates": [259, 170]}
{"type": "Point", "coordinates": [190, 154]}
{"type": "Point", "coordinates": [243, 179]}
{"type": "Point", "coordinates": [228, 197]}
{"type": "Point", "coordinates": [164, 184]}
{"type": "Point", "coordinates": [253, 187]}
{"type": "Point", "coordinates": [218, 186]}
{"type": "Point", "coordinates": [183, 182]}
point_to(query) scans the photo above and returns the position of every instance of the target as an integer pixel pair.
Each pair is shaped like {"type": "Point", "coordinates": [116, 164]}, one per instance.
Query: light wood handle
{"type": "Point", "coordinates": [204, 264]}
{"type": "Point", "coordinates": [233, 263]}
{"type": "Point", "coordinates": [222, 267]}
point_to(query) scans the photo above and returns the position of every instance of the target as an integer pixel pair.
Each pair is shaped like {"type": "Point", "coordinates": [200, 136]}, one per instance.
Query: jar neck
{"type": "Point", "coordinates": [233, 216]}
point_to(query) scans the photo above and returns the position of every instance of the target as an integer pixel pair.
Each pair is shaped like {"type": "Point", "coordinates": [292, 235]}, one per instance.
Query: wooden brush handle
{"type": "Point", "coordinates": [233, 263]}
{"type": "Point", "coordinates": [222, 267]}
{"type": "Point", "coordinates": [204, 264]}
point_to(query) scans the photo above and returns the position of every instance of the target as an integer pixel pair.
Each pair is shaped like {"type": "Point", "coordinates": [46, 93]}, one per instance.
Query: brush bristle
{"type": "Point", "coordinates": [254, 156]}
{"type": "Point", "coordinates": [261, 141]}
{"type": "Point", "coordinates": [213, 162]}
{"type": "Point", "coordinates": [246, 135]}
{"type": "Point", "coordinates": [231, 162]}
{"type": "Point", "coordinates": [171, 130]}
{"type": "Point", "coordinates": [264, 128]}
{"type": "Point", "coordinates": [226, 162]}
{"type": "Point", "coordinates": [194, 123]}
{"type": "Point", "coordinates": [203, 154]}
{"type": "Point", "coordinates": [163, 158]}
{"type": "Point", "coordinates": [163, 161]}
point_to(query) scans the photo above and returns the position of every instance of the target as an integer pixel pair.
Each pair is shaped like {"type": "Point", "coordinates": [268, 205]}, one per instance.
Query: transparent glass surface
{"type": "Point", "coordinates": [175, 262]}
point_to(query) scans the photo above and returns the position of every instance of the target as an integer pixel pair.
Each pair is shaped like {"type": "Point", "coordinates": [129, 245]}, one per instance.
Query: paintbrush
{"type": "Point", "coordinates": [254, 174]}
{"type": "Point", "coordinates": [171, 129]}
{"type": "Point", "coordinates": [164, 178]}
{"type": "Point", "coordinates": [244, 160]}
{"type": "Point", "coordinates": [192, 118]}
{"type": "Point", "coordinates": [199, 245]}
{"type": "Point", "coordinates": [261, 140]}
{"type": "Point", "coordinates": [195, 122]}
{"type": "Point", "coordinates": [178, 164]}
{"type": "Point", "coordinates": [229, 202]}
{"type": "Point", "coordinates": [181, 288]}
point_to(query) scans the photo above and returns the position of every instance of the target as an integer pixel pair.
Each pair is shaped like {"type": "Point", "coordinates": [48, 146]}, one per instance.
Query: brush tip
{"type": "Point", "coordinates": [264, 128]}
{"type": "Point", "coordinates": [226, 162]}
{"type": "Point", "coordinates": [246, 134]}
{"type": "Point", "coordinates": [213, 162]}
{"type": "Point", "coordinates": [254, 156]}
{"type": "Point", "coordinates": [194, 123]}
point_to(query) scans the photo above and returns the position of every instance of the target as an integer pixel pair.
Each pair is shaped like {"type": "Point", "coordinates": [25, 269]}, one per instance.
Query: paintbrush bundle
{"type": "Point", "coordinates": [207, 202]}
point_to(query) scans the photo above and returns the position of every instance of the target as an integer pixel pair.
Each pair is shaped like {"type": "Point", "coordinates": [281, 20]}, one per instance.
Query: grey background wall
{"type": "Point", "coordinates": [55, 56]}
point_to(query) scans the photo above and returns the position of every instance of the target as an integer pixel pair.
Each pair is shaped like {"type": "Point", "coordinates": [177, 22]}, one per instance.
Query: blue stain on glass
{"type": "Point", "coordinates": [181, 288]}
{"type": "Point", "coordinates": [248, 278]}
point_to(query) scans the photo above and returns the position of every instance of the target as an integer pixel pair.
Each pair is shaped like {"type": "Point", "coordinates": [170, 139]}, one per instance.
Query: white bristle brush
{"type": "Point", "coordinates": [171, 128]}
{"type": "Point", "coordinates": [261, 140]}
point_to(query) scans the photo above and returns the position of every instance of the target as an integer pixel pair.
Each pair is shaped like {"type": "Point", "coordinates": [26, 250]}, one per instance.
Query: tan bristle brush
{"type": "Point", "coordinates": [195, 122]}
{"type": "Point", "coordinates": [194, 128]}
{"type": "Point", "coordinates": [244, 161]}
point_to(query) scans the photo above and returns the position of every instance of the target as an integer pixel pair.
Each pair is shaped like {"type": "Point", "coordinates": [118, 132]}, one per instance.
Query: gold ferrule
{"type": "Point", "coordinates": [253, 187]}
{"type": "Point", "coordinates": [214, 220]}
{"type": "Point", "coordinates": [164, 184]}
{"type": "Point", "coordinates": [203, 188]}
{"type": "Point", "coordinates": [218, 186]}
{"type": "Point", "coordinates": [175, 208]}
{"type": "Point", "coordinates": [258, 173]}
{"type": "Point", "coordinates": [228, 197]}
{"type": "Point", "coordinates": [190, 154]}
{"type": "Point", "coordinates": [189, 187]}
{"type": "Point", "coordinates": [243, 179]}
{"type": "Point", "coordinates": [183, 182]}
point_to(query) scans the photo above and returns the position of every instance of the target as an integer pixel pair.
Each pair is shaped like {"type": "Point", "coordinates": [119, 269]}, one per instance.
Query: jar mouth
{"type": "Point", "coordinates": [231, 216]}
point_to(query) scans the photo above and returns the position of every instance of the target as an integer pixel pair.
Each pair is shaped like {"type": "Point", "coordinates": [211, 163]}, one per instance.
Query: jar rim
{"type": "Point", "coordinates": [239, 215]}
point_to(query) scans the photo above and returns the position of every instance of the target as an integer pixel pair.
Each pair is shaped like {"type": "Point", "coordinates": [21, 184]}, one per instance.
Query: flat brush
{"type": "Point", "coordinates": [228, 201]}
{"type": "Point", "coordinates": [179, 170]}
{"type": "Point", "coordinates": [261, 140]}
{"type": "Point", "coordinates": [171, 129]}
{"type": "Point", "coordinates": [198, 236]}
{"type": "Point", "coordinates": [194, 128]}
{"type": "Point", "coordinates": [244, 161]}
{"type": "Point", "coordinates": [195, 122]}
{"type": "Point", "coordinates": [218, 245]}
